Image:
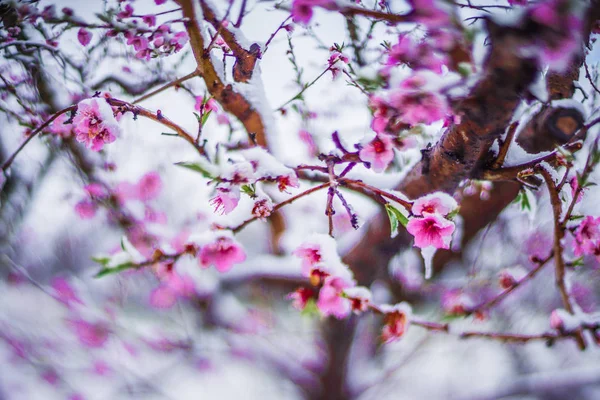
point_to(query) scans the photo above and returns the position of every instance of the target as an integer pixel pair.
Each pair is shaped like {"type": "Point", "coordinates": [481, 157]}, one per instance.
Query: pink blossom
{"type": "Point", "coordinates": [60, 128]}
{"type": "Point", "coordinates": [222, 253]}
{"type": "Point", "coordinates": [285, 181]}
{"type": "Point", "coordinates": [160, 2]}
{"type": "Point", "coordinates": [417, 56]}
{"type": "Point", "coordinates": [416, 105]}
{"type": "Point", "coordinates": [96, 190]}
{"type": "Point", "coordinates": [300, 297]}
{"type": "Point", "coordinates": [556, 321]}
{"type": "Point", "coordinates": [162, 297]}
{"type": "Point", "coordinates": [149, 186]}
{"type": "Point", "coordinates": [396, 321]}
{"type": "Point", "coordinates": [210, 105]}
{"type": "Point", "coordinates": [517, 2]}
{"type": "Point", "coordinates": [302, 10]}
{"type": "Point", "coordinates": [360, 298]}
{"type": "Point", "coordinates": [574, 184]}
{"type": "Point", "coordinates": [310, 253]}
{"type": "Point", "coordinates": [139, 42]}
{"type": "Point", "coordinates": [64, 292]}
{"type": "Point", "coordinates": [428, 13]}
{"type": "Point", "coordinates": [149, 20]}
{"type": "Point", "coordinates": [93, 335]}
{"type": "Point", "coordinates": [126, 13]}
{"type": "Point", "coordinates": [456, 302]}
{"type": "Point", "coordinates": [509, 277]}
{"type": "Point", "coordinates": [262, 208]}
{"type": "Point", "coordinates": [434, 203]}
{"type": "Point", "coordinates": [330, 301]}
{"type": "Point", "coordinates": [546, 13]}
{"type": "Point", "coordinates": [84, 36]}
{"type": "Point", "coordinates": [587, 236]}
{"type": "Point", "coordinates": [379, 152]}
{"type": "Point", "coordinates": [101, 368]}
{"type": "Point", "coordinates": [226, 200]}
{"type": "Point", "coordinates": [95, 124]}
{"type": "Point", "coordinates": [431, 230]}
{"type": "Point", "coordinates": [307, 138]}
{"type": "Point", "coordinates": [86, 209]}
{"type": "Point", "coordinates": [337, 63]}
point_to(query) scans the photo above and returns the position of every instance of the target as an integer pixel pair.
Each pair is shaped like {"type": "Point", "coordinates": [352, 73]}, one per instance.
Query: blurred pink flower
{"type": "Point", "coordinates": [86, 209]}
{"type": "Point", "coordinates": [84, 36]}
{"type": "Point", "coordinates": [396, 321]}
{"type": "Point", "coordinates": [64, 292]}
{"type": "Point", "coordinates": [310, 253]}
{"type": "Point", "coordinates": [587, 236]}
{"type": "Point", "coordinates": [300, 297]}
{"type": "Point", "coordinates": [330, 301]}
{"type": "Point", "coordinates": [302, 10]}
{"type": "Point", "coordinates": [149, 186]}
{"type": "Point", "coordinates": [222, 253]}
{"type": "Point", "coordinates": [93, 335]}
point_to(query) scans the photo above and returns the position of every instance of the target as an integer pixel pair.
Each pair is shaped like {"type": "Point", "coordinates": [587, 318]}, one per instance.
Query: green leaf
{"type": "Point", "coordinates": [102, 260]}
{"type": "Point", "coordinates": [250, 190]}
{"type": "Point", "coordinates": [198, 117]}
{"type": "Point", "coordinates": [576, 217]}
{"type": "Point", "coordinates": [310, 309]}
{"type": "Point", "coordinates": [395, 217]}
{"type": "Point", "coordinates": [113, 270]}
{"type": "Point", "coordinates": [205, 118]}
{"type": "Point", "coordinates": [578, 262]}
{"type": "Point", "coordinates": [195, 167]}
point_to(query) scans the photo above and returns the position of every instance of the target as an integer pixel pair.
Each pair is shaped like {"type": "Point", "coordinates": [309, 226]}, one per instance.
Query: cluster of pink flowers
{"type": "Point", "coordinates": [587, 237]}
{"type": "Point", "coordinates": [426, 54]}
{"type": "Point", "coordinates": [146, 189]}
{"type": "Point", "coordinates": [430, 226]}
{"type": "Point", "coordinates": [255, 165]}
{"type": "Point", "coordinates": [562, 44]}
{"type": "Point", "coordinates": [414, 101]}
{"type": "Point", "coordinates": [160, 42]}
{"type": "Point", "coordinates": [430, 13]}
{"type": "Point", "coordinates": [95, 124]}
{"type": "Point", "coordinates": [338, 294]}
{"type": "Point", "coordinates": [302, 10]}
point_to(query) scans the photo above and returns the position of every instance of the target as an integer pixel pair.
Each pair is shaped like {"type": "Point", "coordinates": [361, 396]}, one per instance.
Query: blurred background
{"type": "Point", "coordinates": [65, 334]}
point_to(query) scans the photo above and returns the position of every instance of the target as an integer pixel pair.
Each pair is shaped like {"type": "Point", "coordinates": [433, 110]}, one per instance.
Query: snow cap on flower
{"type": "Point", "coordinates": [396, 321]}
{"type": "Point", "coordinates": [95, 124]}
{"type": "Point", "coordinates": [319, 253]}
{"type": "Point", "coordinates": [379, 152]}
{"type": "Point", "coordinates": [360, 297]}
{"type": "Point", "coordinates": [434, 203]}
{"type": "Point", "coordinates": [223, 252]}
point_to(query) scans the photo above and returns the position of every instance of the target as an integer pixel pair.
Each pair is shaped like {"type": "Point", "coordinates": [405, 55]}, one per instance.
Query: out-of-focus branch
{"type": "Point", "coordinates": [232, 101]}
{"type": "Point", "coordinates": [543, 384]}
